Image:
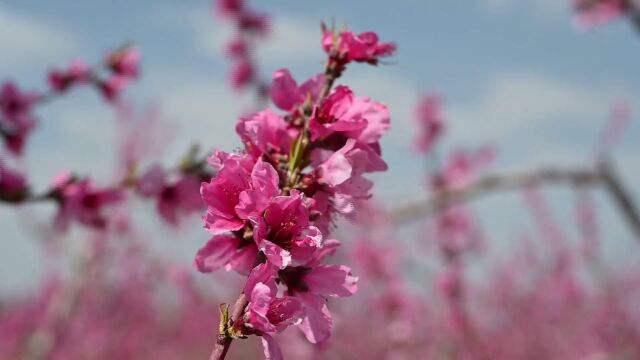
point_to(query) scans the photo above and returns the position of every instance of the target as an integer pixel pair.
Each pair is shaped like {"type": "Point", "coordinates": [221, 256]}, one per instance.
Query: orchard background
{"type": "Point", "coordinates": [505, 226]}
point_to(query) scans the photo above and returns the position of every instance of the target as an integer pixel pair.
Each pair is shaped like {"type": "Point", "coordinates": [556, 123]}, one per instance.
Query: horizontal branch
{"type": "Point", "coordinates": [601, 175]}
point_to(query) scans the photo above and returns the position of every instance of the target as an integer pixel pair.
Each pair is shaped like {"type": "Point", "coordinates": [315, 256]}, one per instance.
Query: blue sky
{"type": "Point", "coordinates": [515, 73]}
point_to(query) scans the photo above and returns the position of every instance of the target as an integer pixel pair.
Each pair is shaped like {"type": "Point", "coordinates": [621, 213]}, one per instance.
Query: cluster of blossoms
{"type": "Point", "coordinates": [592, 13]}
{"type": "Point", "coordinates": [17, 119]}
{"type": "Point", "coordinates": [249, 25]}
{"type": "Point", "coordinates": [79, 199]}
{"type": "Point", "coordinates": [271, 207]}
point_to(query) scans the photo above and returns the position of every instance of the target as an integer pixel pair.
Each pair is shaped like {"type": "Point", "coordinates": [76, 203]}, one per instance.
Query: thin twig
{"type": "Point", "coordinates": [601, 175]}
{"type": "Point", "coordinates": [493, 183]}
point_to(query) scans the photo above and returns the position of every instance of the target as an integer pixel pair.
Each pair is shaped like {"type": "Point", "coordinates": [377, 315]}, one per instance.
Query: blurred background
{"type": "Point", "coordinates": [514, 74]}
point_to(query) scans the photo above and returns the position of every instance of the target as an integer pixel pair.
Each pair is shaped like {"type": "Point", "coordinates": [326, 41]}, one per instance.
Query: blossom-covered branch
{"type": "Point", "coordinates": [272, 206]}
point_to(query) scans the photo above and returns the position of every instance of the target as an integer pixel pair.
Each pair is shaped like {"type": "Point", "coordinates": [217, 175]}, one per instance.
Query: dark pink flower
{"type": "Point", "coordinates": [283, 232]}
{"type": "Point", "coordinates": [112, 87]}
{"type": "Point", "coordinates": [17, 120]}
{"type": "Point", "coordinates": [240, 190]}
{"type": "Point", "coordinates": [237, 48]}
{"type": "Point", "coordinates": [181, 196]}
{"type": "Point", "coordinates": [229, 7]}
{"type": "Point", "coordinates": [81, 201]}
{"type": "Point", "coordinates": [270, 315]}
{"type": "Point", "coordinates": [355, 117]}
{"type": "Point", "coordinates": [229, 251]}
{"type": "Point", "coordinates": [267, 314]}
{"type": "Point", "coordinates": [265, 133]}
{"type": "Point", "coordinates": [336, 114]}
{"type": "Point", "coordinates": [591, 13]}
{"type": "Point", "coordinates": [346, 46]}
{"type": "Point", "coordinates": [76, 73]}
{"type": "Point", "coordinates": [242, 74]}
{"type": "Point", "coordinates": [287, 95]}
{"type": "Point", "coordinates": [254, 22]}
{"type": "Point", "coordinates": [312, 283]}
{"type": "Point", "coordinates": [430, 121]}
{"type": "Point", "coordinates": [125, 62]}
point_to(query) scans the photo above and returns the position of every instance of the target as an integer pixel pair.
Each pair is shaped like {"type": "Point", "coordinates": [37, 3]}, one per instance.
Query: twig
{"type": "Point", "coordinates": [603, 175]}
{"type": "Point", "coordinates": [224, 341]}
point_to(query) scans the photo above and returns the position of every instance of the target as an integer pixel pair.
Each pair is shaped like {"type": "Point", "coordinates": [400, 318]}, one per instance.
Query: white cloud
{"type": "Point", "coordinates": [203, 108]}
{"type": "Point", "coordinates": [292, 38]}
{"type": "Point", "coordinates": [27, 40]}
{"type": "Point", "coordinates": [514, 103]}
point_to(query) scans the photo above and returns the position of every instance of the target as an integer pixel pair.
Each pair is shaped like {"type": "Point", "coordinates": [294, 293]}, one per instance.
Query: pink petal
{"type": "Point", "coordinates": [332, 280]}
{"type": "Point", "coordinates": [275, 254]}
{"type": "Point", "coordinates": [335, 170]}
{"type": "Point", "coordinates": [216, 253]}
{"type": "Point", "coordinates": [271, 348]}
{"type": "Point", "coordinates": [317, 323]}
{"type": "Point", "coordinates": [284, 90]}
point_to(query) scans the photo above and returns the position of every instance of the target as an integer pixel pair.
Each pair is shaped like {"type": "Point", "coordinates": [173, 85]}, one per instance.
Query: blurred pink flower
{"type": "Point", "coordinates": [81, 201]}
{"type": "Point", "coordinates": [430, 121]}
{"type": "Point", "coordinates": [347, 46]}
{"type": "Point", "coordinates": [77, 72]}
{"type": "Point", "coordinates": [17, 119]}
{"type": "Point", "coordinates": [283, 233]}
{"type": "Point", "coordinates": [591, 13]}
{"type": "Point", "coordinates": [125, 62]}
{"type": "Point", "coordinates": [287, 95]}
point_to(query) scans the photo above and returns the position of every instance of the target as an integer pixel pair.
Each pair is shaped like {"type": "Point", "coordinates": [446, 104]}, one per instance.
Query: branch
{"type": "Point", "coordinates": [224, 340]}
{"type": "Point", "coordinates": [603, 175]}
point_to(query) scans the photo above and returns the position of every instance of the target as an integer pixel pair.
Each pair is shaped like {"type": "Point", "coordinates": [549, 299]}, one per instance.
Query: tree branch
{"type": "Point", "coordinates": [601, 175]}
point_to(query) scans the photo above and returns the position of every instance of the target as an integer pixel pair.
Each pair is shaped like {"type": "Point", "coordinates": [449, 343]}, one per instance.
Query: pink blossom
{"type": "Point", "coordinates": [17, 120]}
{"type": "Point", "coordinates": [253, 22]}
{"type": "Point", "coordinates": [457, 231]}
{"type": "Point", "coordinates": [364, 47]}
{"type": "Point", "coordinates": [229, 251]}
{"type": "Point", "coordinates": [591, 13]}
{"type": "Point", "coordinates": [270, 315]}
{"type": "Point", "coordinates": [77, 72]}
{"type": "Point", "coordinates": [264, 133]}
{"type": "Point", "coordinates": [242, 74]}
{"type": "Point", "coordinates": [112, 87]}
{"type": "Point", "coordinates": [462, 166]}
{"type": "Point", "coordinates": [283, 233]}
{"type": "Point", "coordinates": [81, 201]}
{"type": "Point", "coordinates": [336, 114]}
{"type": "Point", "coordinates": [287, 95]}
{"type": "Point", "coordinates": [229, 7]}
{"type": "Point", "coordinates": [240, 190]}
{"type": "Point", "coordinates": [430, 120]}
{"type": "Point", "coordinates": [311, 282]}
{"type": "Point", "coordinates": [125, 62]}
{"type": "Point", "coordinates": [181, 196]}
{"type": "Point", "coordinates": [237, 48]}
{"type": "Point", "coordinates": [338, 184]}
{"type": "Point", "coordinates": [355, 117]}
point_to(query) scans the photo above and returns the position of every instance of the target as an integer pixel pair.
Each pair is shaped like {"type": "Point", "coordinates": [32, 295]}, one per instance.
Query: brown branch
{"type": "Point", "coordinates": [224, 341]}
{"type": "Point", "coordinates": [493, 183]}
{"type": "Point", "coordinates": [621, 197]}
{"type": "Point", "coordinates": [633, 13]}
{"type": "Point", "coordinates": [602, 175]}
